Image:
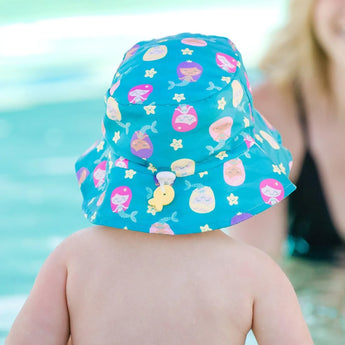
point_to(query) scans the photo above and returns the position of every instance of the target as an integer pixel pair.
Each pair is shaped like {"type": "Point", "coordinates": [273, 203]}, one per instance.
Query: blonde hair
{"type": "Point", "coordinates": [295, 54]}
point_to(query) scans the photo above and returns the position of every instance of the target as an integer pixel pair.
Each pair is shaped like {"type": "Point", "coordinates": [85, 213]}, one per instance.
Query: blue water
{"type": "Point", "coordinates": [40, 201]}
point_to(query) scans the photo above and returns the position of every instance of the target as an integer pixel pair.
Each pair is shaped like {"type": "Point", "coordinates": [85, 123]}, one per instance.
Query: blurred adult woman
{"type": "Point", "coordinates": [302, 95]}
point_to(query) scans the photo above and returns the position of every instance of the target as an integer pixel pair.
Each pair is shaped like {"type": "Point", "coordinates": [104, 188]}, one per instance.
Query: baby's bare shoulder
{"type": "Point", "coordinates": [254, 262]}
{"type": "Point", "coordinates": [82, 241]}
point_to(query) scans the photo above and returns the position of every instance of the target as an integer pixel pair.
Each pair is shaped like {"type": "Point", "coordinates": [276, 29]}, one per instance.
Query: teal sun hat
{"type": "Point", "coordinates": [183, 149]}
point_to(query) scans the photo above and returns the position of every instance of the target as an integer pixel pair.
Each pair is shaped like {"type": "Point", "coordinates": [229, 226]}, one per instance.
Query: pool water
{"type": "Point", "coordinates": [53, 77]}
{"type": "Point", "coordinates": [320, 287]}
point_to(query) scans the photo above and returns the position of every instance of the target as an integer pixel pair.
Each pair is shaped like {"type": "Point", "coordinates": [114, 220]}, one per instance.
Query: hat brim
{"type": "Point", "coordinates": [116, 191]}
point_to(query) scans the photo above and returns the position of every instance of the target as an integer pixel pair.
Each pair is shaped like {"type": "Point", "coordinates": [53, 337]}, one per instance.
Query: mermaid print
{"type": "Point", "coordinates": [234, 173]}
{"type": "Point", "coordinates": [237, 93]}
{"type": "Point", "coordinates": [139, 93]}
{"type": "Point", "coordinates": [240, 217]}
{"type": "Point", "coordinates": [226, 62]}
{"type": "Point", "coordinates": [184, 118]}
{"type": "Point", "coordinates": [112, 110]}
{"type": "Point", "coordinates": [162, 226]}
{"type": "Point", "coordinates": [183, 167]}
{"type": "Point", "coordinates": [192, 41]}
{"type": "Point", "coordinates": [114, 114]}
{"type": "Point", "coordinates": [202, 199]}
{"type": "Point", "coordinates": [220, 131]}
{"type": "Point", "coordinates": [272, 191]}
{"type": "Point", "coordinates": [212, 86]}
{"type": "Point", "coordinates": [141, 145]}
{"type": "Point", "coordinates": [155, 53]}
{"type": "Point", "coordinates": [131, 52]}
{"type": "Point", "coordinates": [121, 163]}
{"type": "Point", "coordinates": [120, 200]}
{"type": "Point", "coordinates": [99, 174]}
{"type": "Point", "coordinates": [187, 72]}
{"type": "Point", "coordinates": [82, 174]}
{"type": "Point", "coordinates": [249, 140]}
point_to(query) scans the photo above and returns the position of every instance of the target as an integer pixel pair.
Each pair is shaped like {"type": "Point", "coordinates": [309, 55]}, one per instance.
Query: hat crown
{"type": "Point", "coordinates": [183, 97]}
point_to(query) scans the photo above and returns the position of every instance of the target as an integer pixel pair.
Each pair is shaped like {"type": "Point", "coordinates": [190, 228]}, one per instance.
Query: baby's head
{"type": "Point", "coordinates": [183, 149]}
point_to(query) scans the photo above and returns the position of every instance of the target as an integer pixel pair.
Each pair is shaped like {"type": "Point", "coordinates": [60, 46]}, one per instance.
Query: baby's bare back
{"type": "Point", "coordinates": [125, 287]}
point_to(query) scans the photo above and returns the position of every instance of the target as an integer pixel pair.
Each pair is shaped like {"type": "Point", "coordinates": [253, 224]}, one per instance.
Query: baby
{"type": "Point", "coordinates": [174, 166]}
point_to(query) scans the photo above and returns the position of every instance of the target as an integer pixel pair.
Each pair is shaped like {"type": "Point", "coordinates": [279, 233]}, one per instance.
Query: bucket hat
{"type": "Point", "coordinates": [183, 149]}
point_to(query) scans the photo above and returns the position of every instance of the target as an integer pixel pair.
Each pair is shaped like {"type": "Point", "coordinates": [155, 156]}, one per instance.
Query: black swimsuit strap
{"type": "Point", "coordinates": [301, 113]}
